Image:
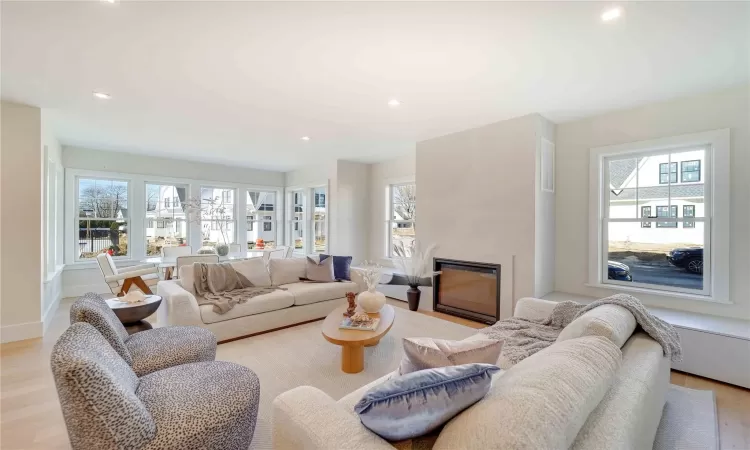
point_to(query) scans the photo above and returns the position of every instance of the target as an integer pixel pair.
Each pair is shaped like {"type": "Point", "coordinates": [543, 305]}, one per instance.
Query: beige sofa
{"type": "Point", "coordinates": [612, 404]}
{"type": "Point", "coordinates": [298, 301]}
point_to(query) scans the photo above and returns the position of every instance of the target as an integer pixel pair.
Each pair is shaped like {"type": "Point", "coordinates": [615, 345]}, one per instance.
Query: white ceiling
{"type": "Point", "coordinates": [240, 83]}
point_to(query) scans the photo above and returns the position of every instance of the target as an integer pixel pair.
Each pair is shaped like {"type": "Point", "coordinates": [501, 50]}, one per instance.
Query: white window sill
{"type": "Point", "coordinates": [680, 295]}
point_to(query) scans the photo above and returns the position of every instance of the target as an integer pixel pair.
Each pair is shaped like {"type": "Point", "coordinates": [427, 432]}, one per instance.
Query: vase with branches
{"type": "Point", "coordinates": [415, 261]}
{"type": "Point", "coordinates": [218, 212]}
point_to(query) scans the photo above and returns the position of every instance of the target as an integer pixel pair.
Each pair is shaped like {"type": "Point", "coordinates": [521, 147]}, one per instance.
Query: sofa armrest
{"type": "Point", "coordinates": [533, 308]}
{"type": "Point", "coordinates": [178, 306]}
{"type": "Point", "coordinates": [307, 418]}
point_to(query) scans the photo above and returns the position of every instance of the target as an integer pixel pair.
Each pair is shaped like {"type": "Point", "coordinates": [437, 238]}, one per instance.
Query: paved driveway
{"type": "Point", "coordinates": [662, 273]}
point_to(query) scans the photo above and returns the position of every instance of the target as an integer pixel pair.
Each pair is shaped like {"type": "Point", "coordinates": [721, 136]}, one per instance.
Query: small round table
{"type": "Point", "coordinates": [132, 314]}
{"type": "Point", "coordinates": [353, 342]}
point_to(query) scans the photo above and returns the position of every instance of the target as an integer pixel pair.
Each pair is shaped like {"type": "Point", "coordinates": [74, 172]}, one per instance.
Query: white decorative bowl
{"type": "Point", "coordinates": [371, 302]}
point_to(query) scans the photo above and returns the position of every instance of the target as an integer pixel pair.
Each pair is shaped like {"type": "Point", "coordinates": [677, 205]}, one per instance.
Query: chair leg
{"type": "Point", "coordinates": [125, 287]}
{"type": "Point", "coordinates": [138, 281]}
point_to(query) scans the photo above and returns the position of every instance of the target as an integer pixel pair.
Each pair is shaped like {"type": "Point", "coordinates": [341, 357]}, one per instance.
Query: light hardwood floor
{"type": "Point", "coordinates": [30, 416]}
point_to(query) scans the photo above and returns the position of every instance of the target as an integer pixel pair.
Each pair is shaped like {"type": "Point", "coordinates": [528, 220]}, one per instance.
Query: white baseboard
{"type": "Point", "coordinates": [21, 331]}
{"type": "Point", "coordinates": [78, 290]}
{"type": "Point", "coordinates": [50, 313]}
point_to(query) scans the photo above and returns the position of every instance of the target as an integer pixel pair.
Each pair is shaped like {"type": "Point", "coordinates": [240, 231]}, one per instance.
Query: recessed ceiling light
{"type": "Point", "coordinates": [611, 14]}
{"type": "Point", "coordinates": [305, 138]}
{"type": "Point", "coordinates": [102, 95]}
{"type": "Point", "coordinates": [393, 103]}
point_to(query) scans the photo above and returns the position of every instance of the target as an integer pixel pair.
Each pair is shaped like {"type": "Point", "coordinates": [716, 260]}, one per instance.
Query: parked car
{"type": "Point", "coordinates": [690, 259]}
{"type": "Point", "coordinates": [618, 271]}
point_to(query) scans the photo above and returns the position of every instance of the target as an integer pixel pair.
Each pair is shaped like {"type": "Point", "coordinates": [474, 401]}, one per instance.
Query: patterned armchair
{"type": "Point", "coordinates": [206, 405]}
{"type": "Point", "coordinates": [150, 350]}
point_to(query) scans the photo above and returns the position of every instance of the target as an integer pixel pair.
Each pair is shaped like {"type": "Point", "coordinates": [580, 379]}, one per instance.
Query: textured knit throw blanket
{"type": "Point", "coordinates": [525, 337]}
{"type": "Point", "coordinates": [223, 287]}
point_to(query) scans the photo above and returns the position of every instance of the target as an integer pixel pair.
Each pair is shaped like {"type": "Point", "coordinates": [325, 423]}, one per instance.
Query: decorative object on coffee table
{"type": "Point", "coordinates": [415, 264]}
{"type": "Point", "coordinates": [132, 314]}
{"type": "Point", "coordinates": [350, 296]}
{"type": "Point", "coordinates": [371, 301]}
{"type": "Point", "coordinates": [353, 342]}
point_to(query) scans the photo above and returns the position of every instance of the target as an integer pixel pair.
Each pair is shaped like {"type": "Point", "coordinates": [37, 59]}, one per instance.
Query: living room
{"type": "Point", "coordinates": [554, 151]}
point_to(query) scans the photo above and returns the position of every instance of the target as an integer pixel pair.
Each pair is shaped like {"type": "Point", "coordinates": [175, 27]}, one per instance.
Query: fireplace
{"type": "Point", "coordinates": [467, 289]}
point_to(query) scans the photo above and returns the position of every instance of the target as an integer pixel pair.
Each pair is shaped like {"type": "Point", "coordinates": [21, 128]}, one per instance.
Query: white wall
{"type": "Point", "coordinates": [725, 109]}
{"type": "Point", "coordinates": [21, 230]}
{"type": "Point", "coordinates": [491, 172]}
{"type": "Point", "coordinates": [351, 220]}
{"type": "Point", "coordinates": [80, 158]}
{"type": "Point", "coordinates": [544, 221]}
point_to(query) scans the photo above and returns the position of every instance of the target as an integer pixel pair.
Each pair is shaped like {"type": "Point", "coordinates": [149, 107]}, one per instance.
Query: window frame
{"type": "Point", "coordinates": [716, 213]}
{"type": "Point", "coordinates": [77, 205]}
{"type": "Point", "coordinates": [156, 219]}
{"type": "Point", "coordinates": [669, 172]}
{"type": "Point", "coordinates": [260, 217]}
{"type": "Point", "coordinates": [390, 221]}
{"type": "Point", "coordinates": [682, 171]}
{"type": "Point", "coordinates": [307, 221]}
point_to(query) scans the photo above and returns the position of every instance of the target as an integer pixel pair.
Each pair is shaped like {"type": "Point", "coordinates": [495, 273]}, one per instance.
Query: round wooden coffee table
{"type": "Point", "coordinates": [353, 342]}
{"type": "Point", "coordinates": [132, 314]}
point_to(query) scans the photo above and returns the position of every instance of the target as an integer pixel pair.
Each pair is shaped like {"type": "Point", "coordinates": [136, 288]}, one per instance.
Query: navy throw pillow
{"type": "Point", "coordinates": [419, 402]}
{"type": "Point", "coordinates": [341, 266]}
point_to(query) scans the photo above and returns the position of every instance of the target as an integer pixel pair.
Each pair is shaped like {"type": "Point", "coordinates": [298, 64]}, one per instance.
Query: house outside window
{"type": "Point", "coordinates": [296, 221]}
{"type": "Point", "coordinates": [103, 220]}
{"type": "Point", "coordinates": [667, 173]}
{"type": "Point", "coordinates": [166, 221]}
{"type": "Point", "coordinates": [402, 217]}
{"type": "Point", "coordinates": [666, 211]}
{"type": "Point", "coordinates": [218, 220]}
{"type": "Point", "coordinates": [645, 212]}
{"type": "Point", "coordinates": [261, 228]}
{"type": "Point", "coordinates": [691, 171]}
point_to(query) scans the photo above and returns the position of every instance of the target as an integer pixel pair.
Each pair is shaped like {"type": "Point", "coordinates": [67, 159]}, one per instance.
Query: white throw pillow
{"type": "Point", "coordinates": [611, 321]}
{"type": "Point", "coordinates": [254, 269]}
{"type": "Point", "coordinates": [541, 402]}
{"type": "Point", "coordinates": [285, 271]}
{"type": "Point", "coordinates": [429, 353]}
{"type": "Point", "coordinates": [187, 278]}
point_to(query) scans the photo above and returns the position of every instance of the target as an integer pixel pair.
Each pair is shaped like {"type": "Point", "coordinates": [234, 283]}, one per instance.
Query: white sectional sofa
{"type": "Point", "coordinates": [622, 411]}
{"type": "Point", "coordinates": [298, 302]}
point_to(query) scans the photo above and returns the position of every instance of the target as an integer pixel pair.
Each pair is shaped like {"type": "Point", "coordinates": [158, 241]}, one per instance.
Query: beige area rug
{"type": "Point", "coordinates": [689, 421]}
{"type": "Point", "coordinates": [300, 356]}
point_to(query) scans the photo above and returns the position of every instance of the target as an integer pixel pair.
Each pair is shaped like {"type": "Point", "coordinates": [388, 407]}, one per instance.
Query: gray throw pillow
{"type": "Point", "coordinates": [417, 403]}
{"type": "Point", "coordinates": [320, 270]}
{"type": "Point", "coordinates": [429, 353]}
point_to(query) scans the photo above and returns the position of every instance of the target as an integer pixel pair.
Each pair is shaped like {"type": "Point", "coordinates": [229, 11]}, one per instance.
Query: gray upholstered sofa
{"type": "Point", "coordinates": [206, 405]}
{"type": "Point", "coordinates": [573, 402]}
{"type": "Point", "coordinates": [294, 303]}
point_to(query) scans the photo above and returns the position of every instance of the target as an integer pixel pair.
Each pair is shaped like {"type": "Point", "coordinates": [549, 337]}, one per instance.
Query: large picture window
{"type": "Point", "coordinates": [261, 219]}
{"type": "Point", "coordinates": [103, 219]}
{"type": "Point", "coordinates": [166, 218]}
{"type": "Point", "coordinates": [402, 217]}
{"type": "Point", "coordinates": [634, 185]}
{"type": "Point", "coordinates": [320, 223]}
{"type": "Point", "coordinates": [296, 222]}
{"type": "Point", "coordinates": [218, 221]}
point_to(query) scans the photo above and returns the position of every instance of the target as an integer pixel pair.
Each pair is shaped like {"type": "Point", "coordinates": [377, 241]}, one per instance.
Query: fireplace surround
{"type": "Point", "coordinates": [467, 289]}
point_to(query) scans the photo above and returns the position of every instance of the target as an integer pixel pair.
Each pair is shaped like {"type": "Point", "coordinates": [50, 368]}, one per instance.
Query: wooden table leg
{"type": "Point", "coordinates": [138, 281]}
{"type": "Point", "coordinates": [352, 358]}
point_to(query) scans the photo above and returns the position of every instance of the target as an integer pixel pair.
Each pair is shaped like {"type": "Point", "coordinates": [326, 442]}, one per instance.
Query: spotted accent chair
{"type": "Point", "coordinates": [145, 351]}
{"type": "Point", "coordinates": [201, 405]}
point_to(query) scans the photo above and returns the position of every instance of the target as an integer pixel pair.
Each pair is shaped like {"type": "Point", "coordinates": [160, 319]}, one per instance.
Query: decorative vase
{"type": "Point", "coordinates": [222, 249]}
{"type": "Point", "coordinates": [371, 301]}
{"type": "Point", "coordinates": [412, 295]}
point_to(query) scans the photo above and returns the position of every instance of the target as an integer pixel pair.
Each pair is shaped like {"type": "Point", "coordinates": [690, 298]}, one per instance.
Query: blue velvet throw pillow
{"type": "Point", "coordinates": [416, 403]}
{"type": "Point", "coordinates": [341, 266]}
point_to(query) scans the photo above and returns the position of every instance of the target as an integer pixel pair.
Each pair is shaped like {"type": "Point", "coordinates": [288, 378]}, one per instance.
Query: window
{"type": "Point", "coordinates": [307, 223]}
{"type": "Point", "coordinates": [645, 212]}
{"type": "Point", "coordinates": [630, 251]}
{"type": "Point", "coordinates": [691, 171]}
{"type": "Point", "coordinates": [402, 216]}
{"type": "Point", "coordinates": [666, 211]}
{"type": "Point", "coordinates": [261, 236]}
{"type": "Point", "coordinates": [320, 199]}
{"type": "Point", "coordinates": [297, 221]}
{"type": "Point", "coordinates": [103, 219]}
{"type": "Point", "coordinates": [163, 210]}
{"type": "Point", "coordinates": [217, 216]}
{"type": "Point", "coordinates": [688, 211]}
{"type": "Point", "coordinates": [668, 176]}
{"type": "Point", "coordinates": [320, 224]}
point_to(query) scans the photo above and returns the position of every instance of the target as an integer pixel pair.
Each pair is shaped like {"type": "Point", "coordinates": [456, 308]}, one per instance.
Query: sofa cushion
{"type": "Point", "coordinates": [341, 266]}
{"type": "Point", "coordinates": [429, 353]}
{"type": "Point", "coordinates": [272, 301]}
{"type": "Point", "coordinates": [255, 270]}
{"type": "Point", "coordinates": [319, 269]}
{"type": "Point", "coordinates": [285, 271]}
{"type": "Point", "coordinates": [611, 321]}
{"type": "Point", "coordinates": [305, 293]}
{"type": "Point", "coordinates": [541, 402]}
{"type": "Point", "coordinates": [419, 402]}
